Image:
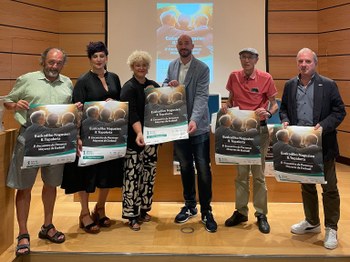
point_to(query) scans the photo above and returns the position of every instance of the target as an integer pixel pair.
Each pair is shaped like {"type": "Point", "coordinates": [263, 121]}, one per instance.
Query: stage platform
{"type": "Point", "coordinates": [163, 240]}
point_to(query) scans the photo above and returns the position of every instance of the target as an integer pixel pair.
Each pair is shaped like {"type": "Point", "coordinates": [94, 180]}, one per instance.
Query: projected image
{"type": "Point", "coordinates": [193, 19]}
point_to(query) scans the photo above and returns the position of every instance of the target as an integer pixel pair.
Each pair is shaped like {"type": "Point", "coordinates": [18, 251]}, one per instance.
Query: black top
{"type": "Point", "coordinates": [89, 88]}
{"type": "Point", "coordinates": [133, 92]}
{"type": "Point", "coordinates": [109, 174]}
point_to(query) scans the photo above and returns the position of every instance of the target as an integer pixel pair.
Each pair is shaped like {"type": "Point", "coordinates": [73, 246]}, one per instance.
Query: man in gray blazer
{"type": "Point", "coordinates": [194, 74]}
{"type": "Point", "coordinates": [314, 100]}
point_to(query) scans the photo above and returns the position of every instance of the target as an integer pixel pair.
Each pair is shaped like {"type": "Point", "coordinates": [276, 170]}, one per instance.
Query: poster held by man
{"type": "Point", "coordinates": [237, 137]}
{"type": "Point", "coordinates": [297, 154]}
{"type": "Point", "coordinates": [50, 135]}
{"type": "Point", "coordinates": [165, 114]}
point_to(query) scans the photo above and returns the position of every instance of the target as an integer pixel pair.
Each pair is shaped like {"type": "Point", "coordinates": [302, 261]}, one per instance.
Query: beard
{"type": "Point", "coordinates": [51, 73]}
{"type": "Point", "coordinates": [185, 52]}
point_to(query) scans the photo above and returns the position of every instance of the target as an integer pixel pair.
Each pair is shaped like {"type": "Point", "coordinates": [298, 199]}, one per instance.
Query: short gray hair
{"type": "Point", "coordinates": [47, 50]}
{"type": "Point", "coordinates": [305, 49]}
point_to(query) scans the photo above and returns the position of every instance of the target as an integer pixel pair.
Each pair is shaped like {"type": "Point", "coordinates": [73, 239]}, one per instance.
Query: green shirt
{"type": "Point", "coordinates": [35, 88]}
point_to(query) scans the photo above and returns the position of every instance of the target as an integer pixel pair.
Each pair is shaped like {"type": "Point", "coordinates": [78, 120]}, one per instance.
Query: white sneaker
{"type": "Point", "coordinates": [305, 227]}
{"type": "Point", "coordinates": [330, 240]}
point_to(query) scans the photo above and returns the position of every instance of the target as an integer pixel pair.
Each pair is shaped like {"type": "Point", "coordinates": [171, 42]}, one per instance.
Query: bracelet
{"type": "Point", "coordinates": [269, 113]}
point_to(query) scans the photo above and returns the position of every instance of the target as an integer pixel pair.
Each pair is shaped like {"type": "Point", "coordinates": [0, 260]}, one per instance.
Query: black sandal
{"type": "Point", "coordinates": [44, 234]}
{"type": "Point", "coordinates": [92, 228]}
{"type": "Point", "coordinates": [101, 221]}
{"type": "Point", "coordinates": [145, 217]}
{"type": "Point", "coordinates": [134, 224]}
{"type": "Point", "coordinates": [23, 246]}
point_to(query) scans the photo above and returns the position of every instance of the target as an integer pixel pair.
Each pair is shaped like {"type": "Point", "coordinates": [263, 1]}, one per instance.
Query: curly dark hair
{"type": "Point", "coordinates": [94, 47]}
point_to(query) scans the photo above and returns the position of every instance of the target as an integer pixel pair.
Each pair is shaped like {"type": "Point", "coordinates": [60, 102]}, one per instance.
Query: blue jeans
{"type": "Point", "coordinates": [195, 149]}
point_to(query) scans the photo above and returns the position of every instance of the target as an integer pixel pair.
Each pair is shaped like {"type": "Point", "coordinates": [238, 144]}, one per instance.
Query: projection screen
{"type": "Point", "coordinates": [219, 28]}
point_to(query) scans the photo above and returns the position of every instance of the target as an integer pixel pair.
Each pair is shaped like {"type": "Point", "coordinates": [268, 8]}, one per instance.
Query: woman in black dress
{"type": "Point", "coordinates": [140, 159]}
{"type": "Point", "coordinates": [96, 85]}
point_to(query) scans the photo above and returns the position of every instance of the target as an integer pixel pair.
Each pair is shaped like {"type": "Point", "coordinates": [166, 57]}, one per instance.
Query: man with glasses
{"type": "Point", "coordinates": [252, 89]}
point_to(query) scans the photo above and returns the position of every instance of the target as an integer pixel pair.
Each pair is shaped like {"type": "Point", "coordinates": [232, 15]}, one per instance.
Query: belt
{"type": "Point", "coordinates": [263, 123]}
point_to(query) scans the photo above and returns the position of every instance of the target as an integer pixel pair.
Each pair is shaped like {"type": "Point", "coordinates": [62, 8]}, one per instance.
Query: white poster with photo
{"type": "Point", "coordinates": [237, 137]}
{"type": "Point", "coordinates": [297, 154]}
{"type": "Point", "coordinates": [104, 130]}
{"type": "Point", "coordinates": [165, 115]}
{"type": "Point", "coordinates": [50, 135]}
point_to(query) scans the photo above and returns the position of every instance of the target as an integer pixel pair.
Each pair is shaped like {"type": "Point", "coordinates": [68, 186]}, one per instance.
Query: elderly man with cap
{"type": "Point", "coordinates": [252, 89]}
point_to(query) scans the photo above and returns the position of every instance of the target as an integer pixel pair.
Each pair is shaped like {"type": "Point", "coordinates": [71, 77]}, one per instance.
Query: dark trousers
{"type": "Point", "coordinates": [330, 197]}
{"type": "Point", "coordinates": [195, 149]}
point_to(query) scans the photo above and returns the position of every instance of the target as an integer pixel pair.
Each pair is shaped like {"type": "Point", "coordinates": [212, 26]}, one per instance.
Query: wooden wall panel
{"type": "Point", "coordinates": [334, 43]}
{"type": "Point", "coordinates": [32, 46]}
{"type": "Point", "coordinates": [290, 44]}
{"type": "Point", "coordinates": [7, 218]}
{"type": "Point", "coordinates": [5, 66]}
{"type": "Point", "coordinates": [331, 3]}
{"type": "Point", "coordinates": [334, 51]}
{"type": "Point", "coordinates": [27, 16]}
{"type": "Point", "coordinates": [82, 22]}
{"type": "Point", "coordinates": [9, 120]}
{"type": "Point", "coordinates": [5, 86]}
{"type": "Point", "coordinates": [16, 40]}
{"type": "Point", "coordinates": [76, 44]}
{"type": "Point", "coordinates": [280, 87]}
{"type": "Point", "coordinates": [292, 5]}
{"type": "Point", "coordinates": [43, 3]}
{"type": "Point", "coordinates": [344, 148]}
{"type": "Point", "coordinates": [335, 67]}
{"type": "Point", "coordinates": [78, 5]}
{"type": "Point", "coordinates": [293, 22]}
{"type": "Point", "coordinates": [345, 125]}
{"type": "Point", "coordinates": [5, 41]}
{"type": "Point", "coordinates": [76, 66]}
{"type": "Point", "coordinates": [344, 89]}
{"type": "Point", "coordinates": [334, 18]}
{"type": "Point", "coordinates": [283, 67]}
{"type": "Point", "coordinates": [22, 64]}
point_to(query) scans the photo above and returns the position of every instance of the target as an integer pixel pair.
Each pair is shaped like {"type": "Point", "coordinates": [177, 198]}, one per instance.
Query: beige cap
{"type": "Point", "coordinates": [250, 50]}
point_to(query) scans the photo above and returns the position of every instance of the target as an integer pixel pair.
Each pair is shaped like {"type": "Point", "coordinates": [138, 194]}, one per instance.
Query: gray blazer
{"type": "Point", "coordinates": [197, 92]}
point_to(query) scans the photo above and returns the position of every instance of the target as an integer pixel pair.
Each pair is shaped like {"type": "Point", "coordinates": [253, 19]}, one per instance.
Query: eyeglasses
{"type": "Point", "coordinates": [243, 57]}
